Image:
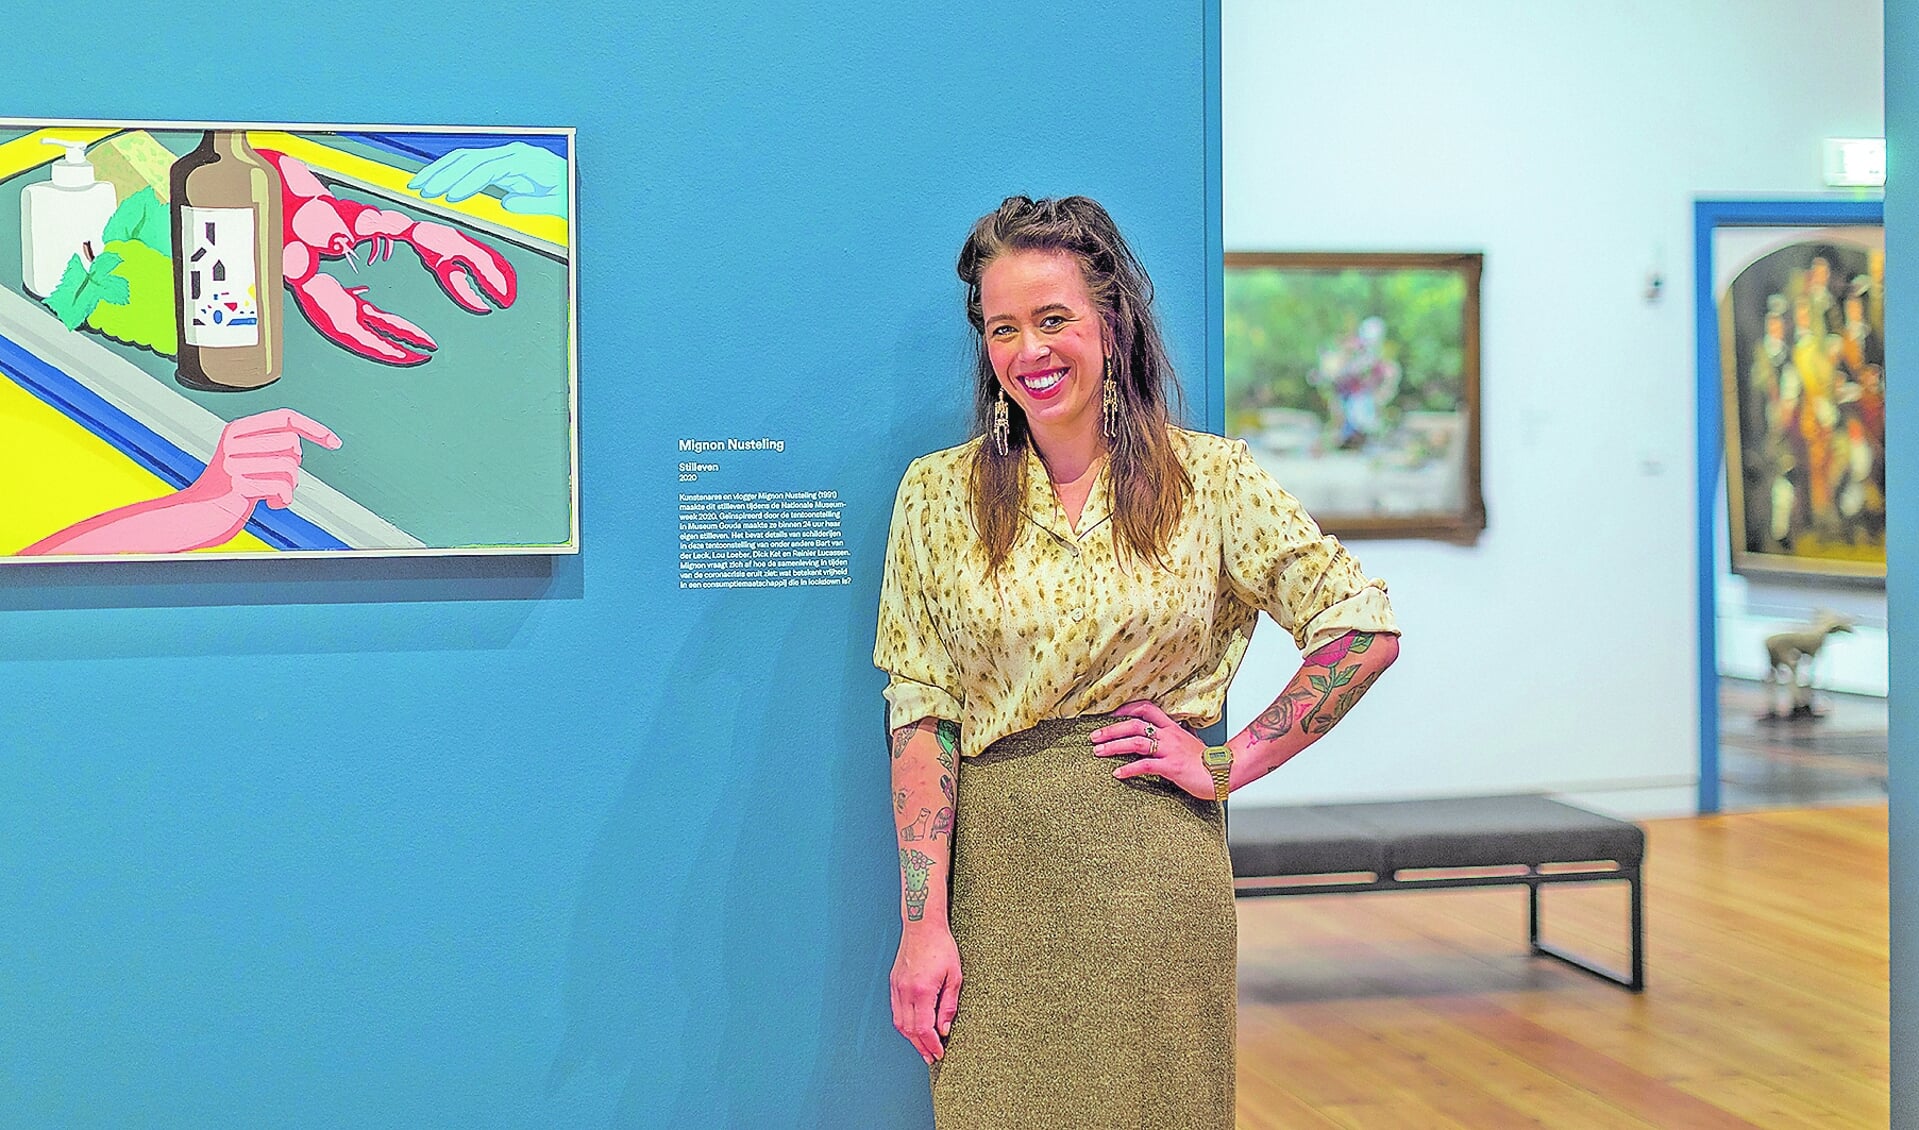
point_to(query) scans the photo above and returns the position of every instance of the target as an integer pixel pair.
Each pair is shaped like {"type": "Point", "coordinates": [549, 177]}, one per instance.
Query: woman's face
{"type": "Point", "coordinates": [1046, 341]}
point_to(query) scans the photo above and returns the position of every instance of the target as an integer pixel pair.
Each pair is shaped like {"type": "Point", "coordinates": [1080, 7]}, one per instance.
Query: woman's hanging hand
{"type": "Point", "coordinates": [1163, 747]}
{"type": "Point", "coordinates": [926, 985]}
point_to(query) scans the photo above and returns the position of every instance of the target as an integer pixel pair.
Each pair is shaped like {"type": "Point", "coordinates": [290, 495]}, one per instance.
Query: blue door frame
{"type": "Point", "coordinates": [1709, 215]}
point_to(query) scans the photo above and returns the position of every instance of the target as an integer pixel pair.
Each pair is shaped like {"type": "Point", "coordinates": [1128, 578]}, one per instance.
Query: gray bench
{"type": "Point", "coordinates": [1528, 841]}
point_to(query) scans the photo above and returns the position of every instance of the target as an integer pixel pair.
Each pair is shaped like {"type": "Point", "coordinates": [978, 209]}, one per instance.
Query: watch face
{"type": "Point", "coordinates": [1217, 757]}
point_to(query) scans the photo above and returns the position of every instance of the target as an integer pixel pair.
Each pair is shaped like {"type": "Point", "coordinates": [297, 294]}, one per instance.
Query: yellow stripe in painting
{"type": "Point", "coordinates": [54, 472]}
{"type": "Point", "coordinates": [31, 151]}
{"type": "Point", "coordinates": [552, 229]}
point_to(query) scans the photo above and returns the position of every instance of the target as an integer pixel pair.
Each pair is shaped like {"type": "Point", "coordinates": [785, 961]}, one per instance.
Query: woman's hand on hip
{"type": "Point", "coordinates": [926, 984]}
{"type": "Point", "coordinates": [1164, 748]}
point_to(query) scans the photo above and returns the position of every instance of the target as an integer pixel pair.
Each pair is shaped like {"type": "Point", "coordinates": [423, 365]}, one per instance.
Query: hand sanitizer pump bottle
{"type": "Point", "coordinates": [61, 218]}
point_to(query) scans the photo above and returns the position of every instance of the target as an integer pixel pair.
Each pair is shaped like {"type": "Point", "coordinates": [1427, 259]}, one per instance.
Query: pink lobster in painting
{"type": "Point", "coordinates": [321, 226]}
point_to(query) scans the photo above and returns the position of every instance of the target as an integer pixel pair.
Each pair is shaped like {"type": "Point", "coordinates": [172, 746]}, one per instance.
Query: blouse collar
{"type": "Point", "coordinates": [1043, 506]}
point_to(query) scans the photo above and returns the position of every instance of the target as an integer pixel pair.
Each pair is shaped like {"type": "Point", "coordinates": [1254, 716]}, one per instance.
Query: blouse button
{"type": "Point", "coordinates": [1078, 615]}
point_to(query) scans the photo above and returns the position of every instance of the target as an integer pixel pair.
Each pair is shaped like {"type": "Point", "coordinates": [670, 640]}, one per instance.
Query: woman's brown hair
{"type": "Point", "coordinates": [1148, 484]}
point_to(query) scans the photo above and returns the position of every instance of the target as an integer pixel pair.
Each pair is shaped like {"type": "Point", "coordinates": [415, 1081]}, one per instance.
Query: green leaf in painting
{"type": "Point", "coordinates": [145, 318]}
{"type": "Point", "coordinates": [82, 288]}
{"type": "Point", "coordinates": [65, 299]}
{"type": "Point", "coordinates": [107, 286]}
{"type": "Point", "coordinates": [143, 218]}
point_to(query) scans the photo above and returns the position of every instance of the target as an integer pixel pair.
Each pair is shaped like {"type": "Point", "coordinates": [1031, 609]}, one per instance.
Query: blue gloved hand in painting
{"type": "Point", "coordinates": [534, 178]}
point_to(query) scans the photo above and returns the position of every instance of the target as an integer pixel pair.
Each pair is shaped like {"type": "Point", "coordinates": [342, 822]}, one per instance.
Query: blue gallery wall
{"type": "Point", "coordinates": [1902, 541]}
{"type": "Point", "coordinates": [554, 843]}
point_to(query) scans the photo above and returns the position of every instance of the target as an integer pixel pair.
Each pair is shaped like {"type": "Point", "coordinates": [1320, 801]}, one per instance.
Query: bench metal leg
{"type": "Point", "coordinates": [1636, 981]}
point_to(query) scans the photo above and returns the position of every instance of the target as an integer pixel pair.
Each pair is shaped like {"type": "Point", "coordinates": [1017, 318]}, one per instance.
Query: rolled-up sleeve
{"type": "Point", "coordinates": [1276, 559]}
{"type": "Point", "coordinates": [908, 647]}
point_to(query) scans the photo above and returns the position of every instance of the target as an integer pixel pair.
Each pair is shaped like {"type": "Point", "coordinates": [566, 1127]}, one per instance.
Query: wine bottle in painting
{"type": "Point", "coordinates": [227, 249]}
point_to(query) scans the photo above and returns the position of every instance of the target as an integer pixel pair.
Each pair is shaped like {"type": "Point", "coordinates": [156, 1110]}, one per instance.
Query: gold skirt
{"type": "Point", "coordinates": [1096, 934]}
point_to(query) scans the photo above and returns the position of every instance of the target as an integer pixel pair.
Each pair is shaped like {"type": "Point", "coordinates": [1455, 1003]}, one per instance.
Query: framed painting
{"type": "Point", "coordinates": [1354, 380]}
{"type": "Point", "coordinates": [247, 340]}
{"type": "Point", "coordinates": [1792, 335]}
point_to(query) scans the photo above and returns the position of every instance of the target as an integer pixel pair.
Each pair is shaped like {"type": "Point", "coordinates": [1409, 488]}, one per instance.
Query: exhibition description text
{"type": "Point", "coordinates": [762, 540]}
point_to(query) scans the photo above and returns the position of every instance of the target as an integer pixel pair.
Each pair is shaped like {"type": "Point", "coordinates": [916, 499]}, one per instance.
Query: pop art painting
{"type": "Point", "coordinates": [234, 340]}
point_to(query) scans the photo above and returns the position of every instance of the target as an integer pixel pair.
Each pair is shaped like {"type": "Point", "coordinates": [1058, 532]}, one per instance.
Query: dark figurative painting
{"type": "Point", "coordinates": [1802, 359]}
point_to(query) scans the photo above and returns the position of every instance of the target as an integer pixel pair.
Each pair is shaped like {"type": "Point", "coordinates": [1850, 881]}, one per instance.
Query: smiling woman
{"type": "Point", "coordinates": [1046, 344]}
{"type": "Point", "coordinates": [1078, 582]}
{"type": "Point", "coordinates": [1082, 288]}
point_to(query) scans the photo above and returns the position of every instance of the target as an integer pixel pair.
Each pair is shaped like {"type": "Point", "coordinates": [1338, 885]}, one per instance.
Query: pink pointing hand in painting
{"type": "Point", "coordinates": [257, 458]}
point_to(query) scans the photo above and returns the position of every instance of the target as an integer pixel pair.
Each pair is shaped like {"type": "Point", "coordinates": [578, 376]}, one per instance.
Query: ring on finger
{"type": "Point", "coordinates": [1150, 729]}
{"type": "Point", "coordinates": [1152, 746]}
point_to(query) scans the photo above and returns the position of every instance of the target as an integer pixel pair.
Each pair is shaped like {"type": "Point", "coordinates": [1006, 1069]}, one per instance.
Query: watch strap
{"type": "Point", "coordinates": [1219, 762]}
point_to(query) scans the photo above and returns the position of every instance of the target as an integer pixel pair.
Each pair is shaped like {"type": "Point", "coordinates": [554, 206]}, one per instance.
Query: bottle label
{"type": "Point", "coordinates": [222, 307]}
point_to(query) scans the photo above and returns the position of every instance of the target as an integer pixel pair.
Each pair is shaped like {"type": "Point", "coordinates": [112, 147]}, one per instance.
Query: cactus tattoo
{"type": "Point", "coordinates": [913, 869]}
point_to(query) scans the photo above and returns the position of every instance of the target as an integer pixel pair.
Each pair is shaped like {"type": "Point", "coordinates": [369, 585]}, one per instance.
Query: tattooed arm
{"type": "Point", "coordinates": [926, 972]}
{"type": "Point", "coordinates": [1329, 682]}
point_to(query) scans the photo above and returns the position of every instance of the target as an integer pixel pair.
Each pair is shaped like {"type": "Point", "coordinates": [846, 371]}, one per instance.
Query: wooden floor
{"type": "Point", "coordinates": [1765, 1002]}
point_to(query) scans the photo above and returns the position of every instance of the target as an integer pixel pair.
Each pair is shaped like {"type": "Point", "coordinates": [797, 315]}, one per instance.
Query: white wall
{"type": "Point", "coordinates": [1752, 608]}
{"type": "Point", "coordinates": [1566, 142]}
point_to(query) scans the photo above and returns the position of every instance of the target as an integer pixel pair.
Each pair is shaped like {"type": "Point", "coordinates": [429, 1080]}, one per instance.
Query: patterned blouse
{"type": "Point", "coordinates": [1066, 627]}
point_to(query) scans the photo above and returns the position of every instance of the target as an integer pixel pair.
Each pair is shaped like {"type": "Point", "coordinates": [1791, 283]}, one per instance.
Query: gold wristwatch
{"type": "Point", "coordinates": [1218, 760]}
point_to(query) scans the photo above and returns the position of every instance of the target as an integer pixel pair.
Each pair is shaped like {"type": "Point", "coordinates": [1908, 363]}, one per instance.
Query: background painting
{"type": "Point", "coordinates": [426, 402]}
{"type": "Point", "coordinates": [1801, 315]}
{"type": "Point", "coordinates": [1354, 379]}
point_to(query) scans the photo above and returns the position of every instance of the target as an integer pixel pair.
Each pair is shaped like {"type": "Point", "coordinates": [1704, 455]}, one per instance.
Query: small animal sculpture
{"type": "Point", "coordinates": [1790, 656]}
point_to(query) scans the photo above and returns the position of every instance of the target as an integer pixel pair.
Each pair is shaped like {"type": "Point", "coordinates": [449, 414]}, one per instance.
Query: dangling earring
{"type": "Point", "coordinates": [1109, 403]}
{"type": "Point", "coordinates": [1002, 427]}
